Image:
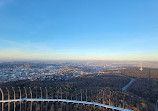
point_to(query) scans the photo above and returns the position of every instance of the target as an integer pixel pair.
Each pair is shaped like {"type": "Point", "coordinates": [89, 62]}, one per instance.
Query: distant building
{"type": "Point", "coordinates": [141, 68]}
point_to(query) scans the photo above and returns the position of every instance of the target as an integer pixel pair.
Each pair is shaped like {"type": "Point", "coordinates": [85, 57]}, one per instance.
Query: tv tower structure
{"type": "Point", "coordinates": [141, 67]}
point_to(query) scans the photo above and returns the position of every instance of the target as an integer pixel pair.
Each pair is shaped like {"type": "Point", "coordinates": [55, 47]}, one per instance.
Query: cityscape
{"type": "Point", "coordinates": [56, 71]}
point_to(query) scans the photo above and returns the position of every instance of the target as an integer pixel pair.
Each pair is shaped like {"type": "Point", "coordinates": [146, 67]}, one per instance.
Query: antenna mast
{"type": "Point", "coordinates": [141, 67]}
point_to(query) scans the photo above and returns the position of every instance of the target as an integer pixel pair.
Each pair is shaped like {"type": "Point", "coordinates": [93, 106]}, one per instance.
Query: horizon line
{"type": "Point", "coordinates": [42, 60]}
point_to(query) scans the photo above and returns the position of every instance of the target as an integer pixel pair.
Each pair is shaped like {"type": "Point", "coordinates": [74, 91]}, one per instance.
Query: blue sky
{"type": "Point", "coordinates": [79, 30]}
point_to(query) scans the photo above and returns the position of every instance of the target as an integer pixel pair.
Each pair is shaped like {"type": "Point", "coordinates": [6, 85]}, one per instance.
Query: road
{"type": "Point", "coordinates": [125, 87]}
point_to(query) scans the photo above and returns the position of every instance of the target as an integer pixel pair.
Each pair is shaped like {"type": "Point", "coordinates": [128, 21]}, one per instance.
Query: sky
{"type": "Point", "coordinates": [79, 30]}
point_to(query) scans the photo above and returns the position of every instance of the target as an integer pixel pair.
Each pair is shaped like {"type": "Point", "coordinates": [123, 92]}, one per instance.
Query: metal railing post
{"type": "Point", "coordinates": [116, 100]}
{"type": "Point", "coordinates": [25, 97]}
{"type": "Point", "coordinates": [2, 98]}
{"type": "Point", "coordinates": [86, 95]}
{"type": "Point", "coordinates": [8, 99]}
{"type": "Point", "coordinates": [103, 97]}
{"type": "Point", "coordinates": [46, 97]}
{"type": "Point", "coordinates": [81, 94]}
{"type": "Point", "coordinates": [25, 92]}
{"type": "Point", "coordinates": [110, 99]}
{"type": "Point", "coordinates": [41, 98]}
{"type": "Point", "coordinates": [20, 97]}
{"type": "Point", "coordinates": [46, 93]}
{"type": "Point", "coordinates": [14, 98]}
{"type": "Point", "coordinates": [61, 92]}
{"type": "Point", "coordinates": [31, 98]}
{"type": "Point", "coordinates": [41, 92]}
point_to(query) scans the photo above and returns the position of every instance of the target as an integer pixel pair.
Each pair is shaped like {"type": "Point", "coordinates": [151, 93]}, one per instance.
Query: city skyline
{"type": "Point", "coordinates": [78, 30]}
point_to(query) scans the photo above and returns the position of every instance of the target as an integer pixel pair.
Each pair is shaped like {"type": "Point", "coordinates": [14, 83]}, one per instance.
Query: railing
{"type": "Point", "coordinates": [64, 100]}
{"type": "Point", "coordinates": [31, 99]}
